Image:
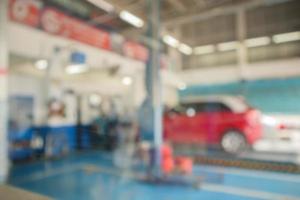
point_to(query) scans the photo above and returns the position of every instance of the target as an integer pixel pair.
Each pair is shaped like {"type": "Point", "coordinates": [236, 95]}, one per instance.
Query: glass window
{"type": "Point", "coordinates": [207, 107]}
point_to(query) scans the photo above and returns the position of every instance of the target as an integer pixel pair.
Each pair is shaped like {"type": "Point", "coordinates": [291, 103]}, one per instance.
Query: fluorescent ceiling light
{"type": "Point", "coordinates": [95, 99]}
{"type": "Point", "coordinates": [182, 86]}
{"type": "Point", "coordinates": [41, 64]}
{"type": "Point", "coordinates": [286, 37]}
{"type": "Point", "coordinates": [103, 5]}
{"type": "Point", "coordinates": [185, 49]}
{"type": "Point", "coordinates": [191, 112]}
{"type": "Point", "coordinates": [259, 41]}
{"type": "Point", "coordinates": [171, 41]}
{"type": "Point", "coordinates": [76, 69]}
{"type": "Point", "coordinates": [131, 19]}
{"type": "Point", "coordinates": [204, 49]}
{"type": "Point", "coordinates": [127, 80]}
{"type": "Point", "coordinates": [227, 46]}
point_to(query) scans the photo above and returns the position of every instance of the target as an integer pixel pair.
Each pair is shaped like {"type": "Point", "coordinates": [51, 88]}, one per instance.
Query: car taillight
{"type": "Point", "coordinates": [281, 127]}
{"type": "Point", "coordinates": [253, 117]}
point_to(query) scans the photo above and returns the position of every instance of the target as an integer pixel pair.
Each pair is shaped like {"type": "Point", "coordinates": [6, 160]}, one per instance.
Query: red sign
{"type": "Point", "coordinates": [33, 13]}
{"type": "Point", "coordinates": [135, 50]}
{"type": "Point", "coordinates": [3, 71]}
{"type": "Point", "coordinates": [57, 23]}
{"type": "Point", "coordinates": [25, 11]}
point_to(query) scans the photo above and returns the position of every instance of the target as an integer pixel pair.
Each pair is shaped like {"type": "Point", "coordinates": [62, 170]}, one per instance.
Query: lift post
{"type": "Point", "coordinates": [152, 76]}
{"type": "Point", "coordinates": [4, 163]}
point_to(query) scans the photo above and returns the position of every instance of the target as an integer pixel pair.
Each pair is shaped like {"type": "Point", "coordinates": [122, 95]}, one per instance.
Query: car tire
{"type": "Point", "coordinates": [233, 142]}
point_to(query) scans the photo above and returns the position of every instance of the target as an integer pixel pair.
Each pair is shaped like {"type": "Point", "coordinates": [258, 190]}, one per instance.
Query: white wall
{"type": "Point", "coordinates": [36, 44]}
{"type": "Point", "coordinates": [33, 43]}
{"type": "Point", "coordinates": [170, 95]}
{"type": "Point", "coordinates": [223, 74]}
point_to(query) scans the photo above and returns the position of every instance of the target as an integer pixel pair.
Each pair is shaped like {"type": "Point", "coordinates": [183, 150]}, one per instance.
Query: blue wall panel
{"type": "Point", "coordinates": [271, 95]}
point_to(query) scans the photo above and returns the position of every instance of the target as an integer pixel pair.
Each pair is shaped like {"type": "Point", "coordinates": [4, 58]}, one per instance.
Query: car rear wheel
{"type": "Point", "coordinates": [233, 142]}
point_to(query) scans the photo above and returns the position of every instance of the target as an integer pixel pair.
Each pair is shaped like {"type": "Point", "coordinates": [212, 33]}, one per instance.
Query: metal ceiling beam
{"type": "Point", "coordinates": [178, 5]}
{"type": "Point", "coordinates": [200, 3]}
{"type": "Point", "coordinates": [218, 12]}
{"type": "Point", "coordinates": [102, 19]}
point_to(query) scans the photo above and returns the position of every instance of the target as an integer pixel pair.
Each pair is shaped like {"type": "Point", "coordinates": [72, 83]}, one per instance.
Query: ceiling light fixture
{"type": "Point", "coordinates": [76, 69]}
{"type": "Point", "coordinates": [286, 37]}
{"type": "Point", "coordinates": [103, 5]}
{"type": "Point", "coordinates": [227, 46]}
{"type": "Point", "coordinates": [182, 86]}
{"type": "Point", "coordinates": [171, 41]}
{"type": "Point", "coordinates": [185, 49]}
{"type": "Point", "coordinates": [259, 41]}
{"type": "Point", "coordinates": [127, 80]}
{"type": "Point", "coordinates": [41, 64]}
{"type": "Point", "coordinates": [206, 49]}
{"type": "Point", "coordinates": [95, 99]}
{"type": "Point", "coordinates": [131, 19]}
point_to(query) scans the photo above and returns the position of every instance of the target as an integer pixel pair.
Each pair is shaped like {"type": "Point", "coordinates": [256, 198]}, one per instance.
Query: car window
{"type": "Point", "coordinates": [207, 107]}
{"type": "Point", "coordinates": [215, 107]}
{"type": "Point", "coordinates": [224, 108]}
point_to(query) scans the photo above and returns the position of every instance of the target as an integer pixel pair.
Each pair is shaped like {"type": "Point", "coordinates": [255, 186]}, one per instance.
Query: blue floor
{"type": "Point", "coordinates": [67, 179]}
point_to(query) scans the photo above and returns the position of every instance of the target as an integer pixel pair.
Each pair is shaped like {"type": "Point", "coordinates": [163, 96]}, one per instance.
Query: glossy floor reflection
{"type": "Point", "coordinates": [92, 176]}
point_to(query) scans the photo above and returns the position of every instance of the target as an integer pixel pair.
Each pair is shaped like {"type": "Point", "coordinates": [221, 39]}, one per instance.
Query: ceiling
{"type": "Point", "coordinates": [170, 10]}
{"type": "Point", "coordinates": [184, 16]}
{"type": "Point", "coordinates": [194, 22]}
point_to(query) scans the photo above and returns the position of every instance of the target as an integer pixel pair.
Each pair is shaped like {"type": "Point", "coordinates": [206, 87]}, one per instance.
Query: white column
{"type": "Point", "coordinates": [242, 53]}
{"type": "Point", "coordinates": [4, 163]}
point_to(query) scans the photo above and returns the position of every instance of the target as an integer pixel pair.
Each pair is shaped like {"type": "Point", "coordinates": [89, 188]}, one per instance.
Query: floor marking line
{"type": "Point", "coordinates": [255, 173]}
{"type": "Point", "coordinates": [246, 192]}
{"type": "Point", "coordinates": [218, 188]}
{"type": "Point", "coordinates": [48, 173]}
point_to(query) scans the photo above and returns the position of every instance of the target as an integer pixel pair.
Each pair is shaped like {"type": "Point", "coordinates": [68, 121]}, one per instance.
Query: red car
{"type": "Point", "coordinates": [220, 120]}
